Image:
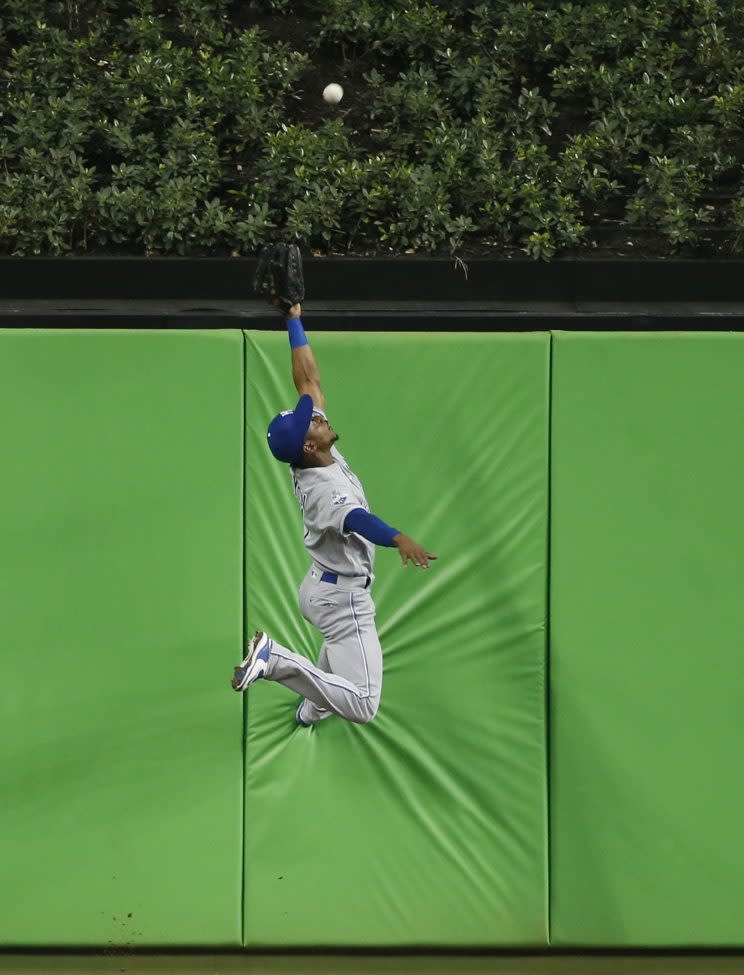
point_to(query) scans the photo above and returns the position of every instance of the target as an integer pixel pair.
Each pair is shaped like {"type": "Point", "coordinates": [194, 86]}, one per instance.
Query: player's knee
{"type": "Point", "coordinates": [369, 709]}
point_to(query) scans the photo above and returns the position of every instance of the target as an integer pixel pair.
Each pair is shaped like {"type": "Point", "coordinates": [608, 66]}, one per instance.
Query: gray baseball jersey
{"type": "Point", "coordinates": [326, 495]}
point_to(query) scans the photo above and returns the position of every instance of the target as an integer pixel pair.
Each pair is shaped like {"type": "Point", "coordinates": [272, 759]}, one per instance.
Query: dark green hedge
{"type": "Point", "coordinates": [198, 128]}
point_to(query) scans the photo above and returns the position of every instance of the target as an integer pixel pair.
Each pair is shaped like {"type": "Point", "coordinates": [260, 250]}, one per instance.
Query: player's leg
{"type": "Point", "coordinates": [352, 644]}
{"type": "Point", "coordinates": [308, 713]}
{"type": "Point", "coordinates": [329, 691]}
{"type": "Point", "coordinates": [352, 686]}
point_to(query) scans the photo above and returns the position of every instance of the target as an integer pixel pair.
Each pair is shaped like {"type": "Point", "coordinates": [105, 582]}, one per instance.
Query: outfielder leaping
{"type": "Point", "coordinates": [340, 535]}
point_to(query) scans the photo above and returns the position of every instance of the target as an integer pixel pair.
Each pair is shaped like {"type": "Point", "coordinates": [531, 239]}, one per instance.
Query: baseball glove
{"type": "Point", "coordinates": [279, 275]}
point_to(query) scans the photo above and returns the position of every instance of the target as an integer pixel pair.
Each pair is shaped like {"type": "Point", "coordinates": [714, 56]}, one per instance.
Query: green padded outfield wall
{"type": "Point", "coordinates": [427, 826]}
{"type": "Point", "coordinates": [120, 620]}
{"type": "Point", "coordinates": [647, 654]}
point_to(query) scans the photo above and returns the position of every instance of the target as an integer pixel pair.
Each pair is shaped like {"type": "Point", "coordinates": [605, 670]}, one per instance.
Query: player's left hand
{"type": "Point", "coordinates": [279, 275]}
{"type": "Point", "coordinates": [412, 550]}
{"type": "Point", "coordinates": [293, 312]}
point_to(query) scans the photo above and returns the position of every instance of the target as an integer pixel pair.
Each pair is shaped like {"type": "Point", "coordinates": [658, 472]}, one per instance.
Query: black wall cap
{"type": "Point", "coordinates": [410, 278]}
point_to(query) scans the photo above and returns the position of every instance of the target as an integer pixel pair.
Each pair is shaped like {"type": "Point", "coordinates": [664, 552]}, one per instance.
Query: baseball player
{"type": "Point", "coordinates": [340, 535]}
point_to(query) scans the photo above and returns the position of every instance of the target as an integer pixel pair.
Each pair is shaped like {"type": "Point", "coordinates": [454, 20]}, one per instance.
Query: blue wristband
{"type": "Point", "coordinates": [297, 335]}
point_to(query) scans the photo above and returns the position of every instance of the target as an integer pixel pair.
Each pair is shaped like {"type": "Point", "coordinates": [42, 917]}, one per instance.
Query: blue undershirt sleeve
{"type": "Point", "coordinates": [371, 527]}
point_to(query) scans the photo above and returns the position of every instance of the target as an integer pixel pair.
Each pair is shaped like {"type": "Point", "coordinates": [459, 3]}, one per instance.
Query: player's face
{"type": "Point", "coordinates": [321, 433]}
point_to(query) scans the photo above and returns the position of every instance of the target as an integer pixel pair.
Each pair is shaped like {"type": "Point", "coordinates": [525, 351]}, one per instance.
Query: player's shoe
{"type": "Point", "coordinates": [299, 714]}
{"type": "Point", "coordinates": [255, 663]}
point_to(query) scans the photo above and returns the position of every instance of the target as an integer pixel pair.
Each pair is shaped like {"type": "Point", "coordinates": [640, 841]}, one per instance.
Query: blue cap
{"type": "Point", "coordinates": [287, 431]}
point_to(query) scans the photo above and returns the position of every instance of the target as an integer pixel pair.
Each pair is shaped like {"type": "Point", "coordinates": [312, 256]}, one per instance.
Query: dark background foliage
{"type": "Point", "coordinates": [197, 127]}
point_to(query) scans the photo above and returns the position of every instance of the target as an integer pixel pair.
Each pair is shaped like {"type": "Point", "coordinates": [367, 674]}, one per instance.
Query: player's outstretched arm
{"type": "Point", "coordinates": [305, 370]}
{"type": "Point", "coordinates": [374, 529]}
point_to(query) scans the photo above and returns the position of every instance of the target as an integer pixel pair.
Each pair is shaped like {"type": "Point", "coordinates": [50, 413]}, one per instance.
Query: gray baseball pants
{"type": "Point", "coordinates": [347, 679]}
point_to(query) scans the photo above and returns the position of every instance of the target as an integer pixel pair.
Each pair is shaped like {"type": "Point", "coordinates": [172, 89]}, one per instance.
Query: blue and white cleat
{"type": "Point", "coordinates": [298, 715]}
{"type": "Point", "coordinates": [255, 663]}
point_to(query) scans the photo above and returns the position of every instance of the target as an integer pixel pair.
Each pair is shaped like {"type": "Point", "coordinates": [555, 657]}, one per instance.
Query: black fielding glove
{"type": "Point", "coordinates": [279, 275]}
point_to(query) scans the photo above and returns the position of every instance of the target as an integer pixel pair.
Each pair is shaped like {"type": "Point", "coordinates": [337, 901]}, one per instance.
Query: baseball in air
{"type": "Point", "coordinates": [333, 94]}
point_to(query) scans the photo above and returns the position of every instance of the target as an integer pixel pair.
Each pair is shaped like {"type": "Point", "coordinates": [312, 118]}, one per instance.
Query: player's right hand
{"type": "Point", "coordinates": [412, 550]}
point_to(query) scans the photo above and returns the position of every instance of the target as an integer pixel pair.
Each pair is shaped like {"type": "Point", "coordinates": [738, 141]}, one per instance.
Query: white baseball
{"type": "Point", "coordinates": [333, 94]}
